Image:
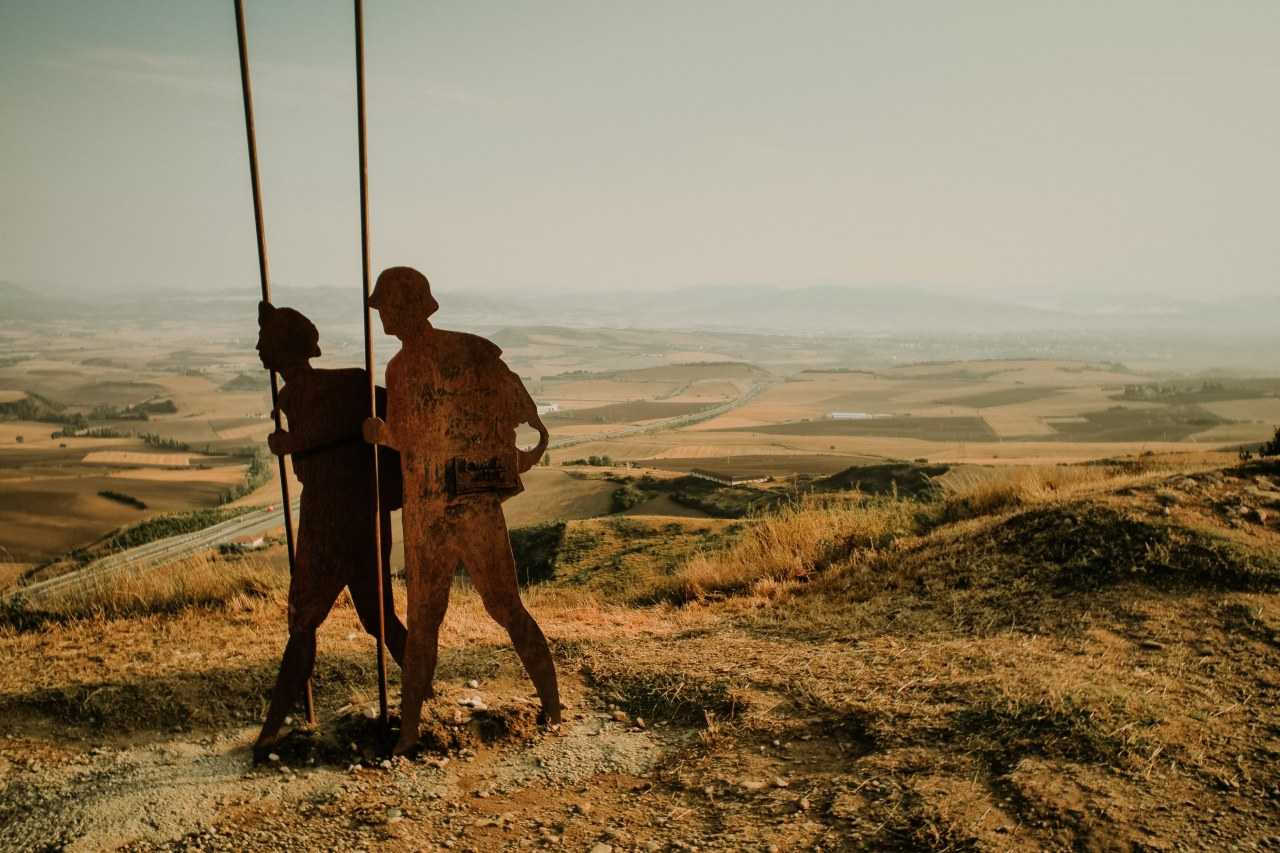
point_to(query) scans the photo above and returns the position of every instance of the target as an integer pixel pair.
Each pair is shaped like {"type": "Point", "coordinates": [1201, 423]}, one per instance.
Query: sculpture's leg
{"type": "Point", "coordinates": [429, 581]}
{"type": "Point", "coordinates": [312, 593]}
{"type": "Point", "coordinates": [364, 594]}
{"type": "Point", "coordinates": [494, 576]}
{"type": "Point", "coordinates": [295, 668]}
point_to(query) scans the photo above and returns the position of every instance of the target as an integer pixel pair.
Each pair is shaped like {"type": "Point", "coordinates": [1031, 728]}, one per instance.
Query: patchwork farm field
{"type": "Point", "coordinates": [635, 412]}
{"type": "Point", "coordinates": [753, 465]}
{"type": "Point", "coordinates": [944, 428]}
{"type": "Point", "coordinates": [126, 413]}
{"type": "Point", "coordinates": [158, 415]}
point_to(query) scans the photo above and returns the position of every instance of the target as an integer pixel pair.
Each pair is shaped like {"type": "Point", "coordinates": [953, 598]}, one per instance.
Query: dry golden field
{"type": "Point", "coordinates": [606, 382]}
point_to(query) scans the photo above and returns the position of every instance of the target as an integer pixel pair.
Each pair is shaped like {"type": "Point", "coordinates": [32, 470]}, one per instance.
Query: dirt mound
{"type": "Point", "coordinates": [356, 736]}
{"type": "Point", "coordinates": [1088, 545]}
{"type": "Point", "coordinates": [905, 479]}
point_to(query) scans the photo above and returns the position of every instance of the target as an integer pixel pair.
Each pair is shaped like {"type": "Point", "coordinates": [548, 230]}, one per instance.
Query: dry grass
{"type": "Point", "coordinates": [1021, 487]}
{"type": "Point", "coordinates": [200, 581]}
{"type": "Point", "coordinates": [925, 684]}
{"type": "Point", "coordinates": [786, 548]}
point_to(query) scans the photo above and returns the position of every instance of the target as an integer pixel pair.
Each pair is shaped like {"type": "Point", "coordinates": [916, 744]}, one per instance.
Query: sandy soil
{"type": "Point", "coordinates": [125, 457]}
{"type": "Point", "coordinates": [227, 474]}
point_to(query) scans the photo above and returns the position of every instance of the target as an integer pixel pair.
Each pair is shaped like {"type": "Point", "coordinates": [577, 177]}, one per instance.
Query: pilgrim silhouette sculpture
{"type": "Point", "coordinates": [453, 407]}
{"type": "Point", "coordinates": [335, 545]}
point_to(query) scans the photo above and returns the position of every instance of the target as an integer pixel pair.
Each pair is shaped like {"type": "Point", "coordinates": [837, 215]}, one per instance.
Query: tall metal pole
{"type": "Point", "coordinates": [368, 361]}
{"type": "Point", "coordinates": [265, 276]}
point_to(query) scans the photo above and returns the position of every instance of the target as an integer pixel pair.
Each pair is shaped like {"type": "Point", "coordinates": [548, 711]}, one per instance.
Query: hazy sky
{"type": "Point", "coordinates": [1044, 145]}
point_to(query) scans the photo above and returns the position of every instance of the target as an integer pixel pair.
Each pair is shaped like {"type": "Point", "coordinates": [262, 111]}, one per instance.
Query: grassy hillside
{"type": "Point", "coordinates": [1075, 657]}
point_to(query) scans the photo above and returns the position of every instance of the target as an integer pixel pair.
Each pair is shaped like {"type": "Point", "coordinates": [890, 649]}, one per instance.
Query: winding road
{"type": "Point", "coordinates": [172, 548]}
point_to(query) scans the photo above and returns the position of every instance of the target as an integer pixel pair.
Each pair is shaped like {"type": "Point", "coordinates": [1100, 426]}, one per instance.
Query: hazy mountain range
{"type": "Point", "coordinates": [756, 308]}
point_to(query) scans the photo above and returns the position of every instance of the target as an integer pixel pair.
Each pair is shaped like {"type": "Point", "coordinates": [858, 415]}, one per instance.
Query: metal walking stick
{"type": "Point", "coordinates": [264, 275]}
{"type": "Point", "coordinates": [368, 362]}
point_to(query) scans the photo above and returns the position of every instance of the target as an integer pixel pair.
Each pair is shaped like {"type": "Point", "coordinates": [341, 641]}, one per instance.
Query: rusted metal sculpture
{"type": "Point", "coordinates": [452, 411]}
{"type": "Point", "coordinates": [337, 538]}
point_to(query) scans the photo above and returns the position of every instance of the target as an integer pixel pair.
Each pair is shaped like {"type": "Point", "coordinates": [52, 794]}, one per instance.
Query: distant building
{"type": "Point", "coordinates": [252, 542]}
{"type": "Point", "coordinates": [548, 408]}
{"type": "Point", "coordinates": [725, 479]}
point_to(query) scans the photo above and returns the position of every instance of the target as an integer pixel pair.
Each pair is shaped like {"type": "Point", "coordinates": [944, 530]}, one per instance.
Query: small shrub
{"type": "Point", "coordinates": [1272, 446]}
{"type": "Point", "coordinates": [627, 497]}
{"type": "Point", "coordinates": [121, 497]}
{"type": "Point", "coordinates": [170, 525]}
{"type": "Point", "coordinates": [536, 549]}
{"type": "Point", "coordinates": [159, 442]}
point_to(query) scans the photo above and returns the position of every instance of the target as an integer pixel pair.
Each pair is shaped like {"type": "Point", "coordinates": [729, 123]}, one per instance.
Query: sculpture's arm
{"type": "Point", "coordinates": [378, 431]}
{"type": "Point", "coordinates": [283, 443]}
{"type": "Point", "coordinates": [529, 458]}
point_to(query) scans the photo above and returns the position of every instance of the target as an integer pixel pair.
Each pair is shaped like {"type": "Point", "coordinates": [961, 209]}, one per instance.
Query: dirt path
{"type": "Point", "coordinates": [198, 791]}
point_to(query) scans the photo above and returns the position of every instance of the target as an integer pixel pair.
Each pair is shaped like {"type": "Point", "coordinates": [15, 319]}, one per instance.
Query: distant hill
{"type": "Point", "coordinates": [244, 382]}
{"type": "Point", "coordinates": [825, 309]}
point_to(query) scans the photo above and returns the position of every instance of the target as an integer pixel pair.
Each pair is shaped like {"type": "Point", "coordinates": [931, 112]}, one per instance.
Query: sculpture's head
{"type": "Point", "coordinates": [286, 338]}
{"type": "Point", "coordinates": [402, 298]}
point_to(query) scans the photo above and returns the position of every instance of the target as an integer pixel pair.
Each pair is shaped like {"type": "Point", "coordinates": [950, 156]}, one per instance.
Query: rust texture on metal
{"type": "Point", "coordinates": [338, 542]}
{"type": "Point", "coordinates": [453, 407]}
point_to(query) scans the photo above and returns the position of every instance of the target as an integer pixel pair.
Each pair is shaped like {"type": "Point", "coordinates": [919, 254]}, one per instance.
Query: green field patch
{"type": "Point", "coordinates": [114, 393]}
{"type": "Point", "coordinates": [924, 428]}
{"type": "Point", "coordinates": [1119, 423]}
{"type": "Point", "coordinates": [1002, 397]}
{"type": "Point", "coordinates": [750, 466]}
{"type": "Point", "coordinates": [1190, 391]}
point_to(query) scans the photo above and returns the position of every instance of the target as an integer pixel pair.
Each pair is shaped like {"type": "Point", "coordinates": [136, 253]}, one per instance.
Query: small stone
{"type": "Point", "coordinates": [394, 815]}
{"type": "Point", "coordinates": [386, 764]}
{"type": "Point", "coordinates": [640, 722]}
{"type": "Point", "coordinates": [620, 716]}
{"type": "Point", "coordinates": [288, 721]}
{"type": "Point", "coordinates": [473, 684]}
{"type": "Point", "coordinates": [752, 785]}
{"type": "Point", "coordinates": [582, 808]}
{"type": "Point", "coordinates": [779, 782]}
{"type": "Point", "coordinates": [601, 847]}
{"type": "Point", "coordinates": [272, 757]}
